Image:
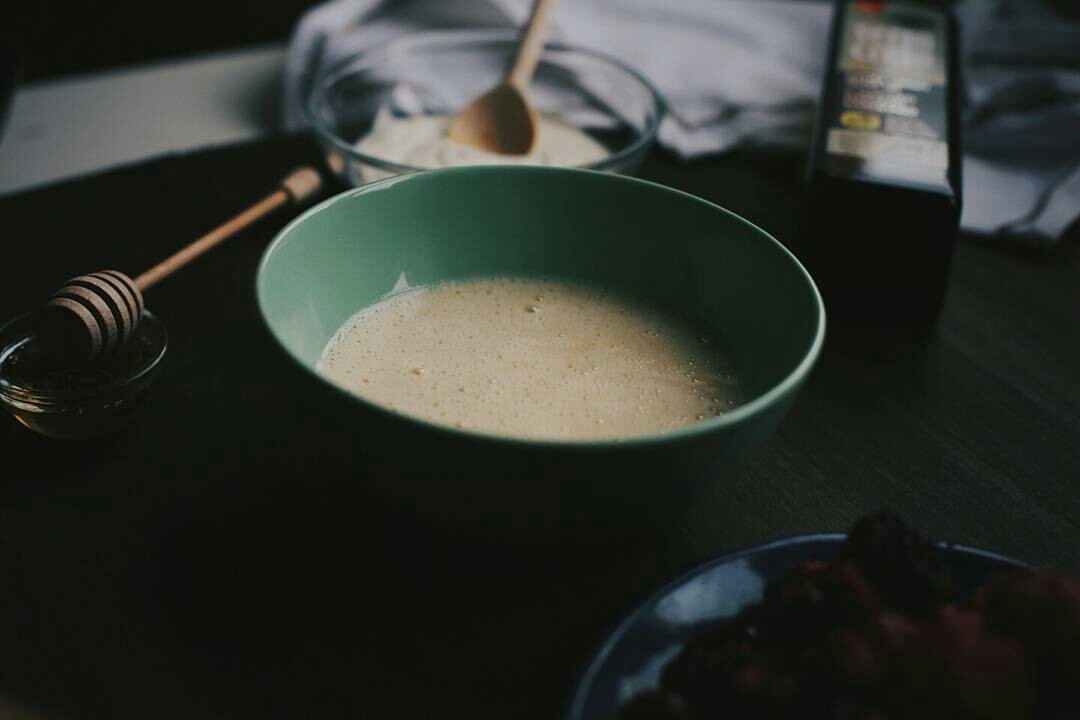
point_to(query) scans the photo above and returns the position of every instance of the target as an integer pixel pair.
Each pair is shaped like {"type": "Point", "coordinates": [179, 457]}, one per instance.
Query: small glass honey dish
{"type": "Point", "coordinates": [77, 401]}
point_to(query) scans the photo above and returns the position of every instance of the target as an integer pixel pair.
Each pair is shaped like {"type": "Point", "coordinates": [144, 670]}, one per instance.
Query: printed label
{"type": "Point", "coordinates": [889, 116]}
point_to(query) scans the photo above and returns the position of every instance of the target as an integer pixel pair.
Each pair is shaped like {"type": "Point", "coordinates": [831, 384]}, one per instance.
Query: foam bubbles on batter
{"type": "Point", "coordinates": [531, 359]}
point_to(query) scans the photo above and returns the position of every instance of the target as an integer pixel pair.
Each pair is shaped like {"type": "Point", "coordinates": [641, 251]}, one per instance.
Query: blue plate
{"type": "Point", "coordinates": [633, 657]}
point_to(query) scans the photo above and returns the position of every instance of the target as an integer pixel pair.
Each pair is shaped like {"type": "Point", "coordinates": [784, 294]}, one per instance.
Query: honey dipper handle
{"type": "Point", "coordinates": [298, 186]}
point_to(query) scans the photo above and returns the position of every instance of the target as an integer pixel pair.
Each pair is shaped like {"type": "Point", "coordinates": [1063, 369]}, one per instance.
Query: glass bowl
{"type": "Point", "coordinates": [77, 402]}
{"type": "Point", "coordinates": [439, 73]}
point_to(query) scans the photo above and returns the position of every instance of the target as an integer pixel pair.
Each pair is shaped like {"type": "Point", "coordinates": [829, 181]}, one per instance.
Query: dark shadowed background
{"type": "Point", "coordinates": [61, 37]}
{"type": "Point", "coordinates": [54, 38]}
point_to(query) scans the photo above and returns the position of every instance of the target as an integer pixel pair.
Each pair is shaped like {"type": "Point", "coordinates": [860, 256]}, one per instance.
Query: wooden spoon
{"type": "Point", "coordinates": [502, 120]}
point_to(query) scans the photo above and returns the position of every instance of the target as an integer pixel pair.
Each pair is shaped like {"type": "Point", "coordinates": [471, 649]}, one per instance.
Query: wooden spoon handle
{"type": "Point", "coordinates": [298, 186]}
{"type": "Point", "coordinates": [531, 45]}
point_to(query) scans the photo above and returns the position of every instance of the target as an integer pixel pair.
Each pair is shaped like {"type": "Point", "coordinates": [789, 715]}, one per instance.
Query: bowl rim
{"type": "Point", "coordinates": [696, 430]}
{"type": "Point", "coordinates": [587, 677]}
{"type": "Point", "coordinates": [383, 51]}
{"type": "Point", "coordinates": [10, 391]}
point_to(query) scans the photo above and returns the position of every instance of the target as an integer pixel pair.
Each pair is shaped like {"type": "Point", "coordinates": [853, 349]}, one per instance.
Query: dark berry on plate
{"type": "Point", "coordinates": [899, 563]}
{"type": "Point", "coordinates": [853, 595]}
{"type": "Point", "coordinates": [802, 607]}
{"type": "Point", "coordinates": [701, 674]}
{"type": "Point", "coordinates": [853, 658]}
{"type": "Point", "coordinates": [953, 669]}
{"type": "Point", "coordinates": [1040, 609]}
{"type": "Point", "coordinates": [890, 631]}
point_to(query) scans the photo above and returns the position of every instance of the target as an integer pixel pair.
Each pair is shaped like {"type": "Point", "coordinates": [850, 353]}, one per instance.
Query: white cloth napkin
{"type": "Point", "coordinates": [748, 73]}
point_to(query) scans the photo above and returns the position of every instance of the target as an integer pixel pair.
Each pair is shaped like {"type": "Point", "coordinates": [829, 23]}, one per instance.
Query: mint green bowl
{"type": "Point", "coordinates": [609, 230]}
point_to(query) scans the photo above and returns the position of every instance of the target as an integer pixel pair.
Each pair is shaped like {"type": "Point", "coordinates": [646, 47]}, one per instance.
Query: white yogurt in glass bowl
{"type": "Point", "coordinates": [421, 141]}
{"type": "Point", "coordinates": [385, 112]}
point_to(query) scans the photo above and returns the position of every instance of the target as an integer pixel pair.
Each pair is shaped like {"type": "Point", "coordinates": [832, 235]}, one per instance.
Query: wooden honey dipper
{"type": "Point", "coordinates": [93, 316]}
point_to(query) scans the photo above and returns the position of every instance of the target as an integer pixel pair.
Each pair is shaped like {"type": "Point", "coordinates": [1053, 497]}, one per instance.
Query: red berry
{"type": "Point", "coordinates": [953, 669]}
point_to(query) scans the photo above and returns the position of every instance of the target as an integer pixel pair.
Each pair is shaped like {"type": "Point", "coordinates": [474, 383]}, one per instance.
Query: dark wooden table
{"type": "Point", "coordinates": [217, 559]}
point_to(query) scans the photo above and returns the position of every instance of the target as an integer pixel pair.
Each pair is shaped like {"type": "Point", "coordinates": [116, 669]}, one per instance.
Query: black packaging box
{"type": "Point", "coordinates": [883, 180]}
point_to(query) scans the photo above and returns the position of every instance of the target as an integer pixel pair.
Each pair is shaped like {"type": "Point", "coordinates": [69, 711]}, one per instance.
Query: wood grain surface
{"type": "Point", "coordinates": [217, 559]}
